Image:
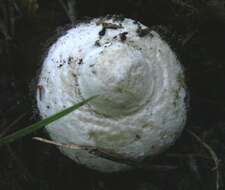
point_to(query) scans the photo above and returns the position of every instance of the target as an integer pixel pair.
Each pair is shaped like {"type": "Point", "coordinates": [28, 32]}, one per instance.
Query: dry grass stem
{"type": "Point", "coordinates": [108, 155]}
{"type": "Point", "coordinates": [212, 154]}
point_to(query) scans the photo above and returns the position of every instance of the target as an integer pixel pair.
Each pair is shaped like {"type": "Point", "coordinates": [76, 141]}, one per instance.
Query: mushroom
{"type": "Point", "coordinates": [140, 109]}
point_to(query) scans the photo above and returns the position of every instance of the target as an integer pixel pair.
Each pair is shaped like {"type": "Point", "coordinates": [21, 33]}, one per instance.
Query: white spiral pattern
{"type": "Point", "coordinates": [141, 108]}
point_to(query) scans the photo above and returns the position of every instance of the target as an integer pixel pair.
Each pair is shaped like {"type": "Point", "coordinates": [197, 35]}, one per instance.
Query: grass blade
{"type": "Point", "coordinates": [41, 124]}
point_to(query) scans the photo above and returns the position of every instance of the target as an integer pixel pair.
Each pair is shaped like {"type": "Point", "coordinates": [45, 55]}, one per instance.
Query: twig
{"type": "Point", "coordinates": [192, 163]}
{"type": "Point", "coordinates": [64, 6]}
{"type": "Point", "coordinates": [70, 146]}
{"type": "Point", "coordinates": [186, 5]}
{"type": "Point", "coordinates": [4, 132]}
{"type": "Point", "coordinates": [189, 37]}
{"type": "Point", "coordinates": [107, 155]}
{"type": "Point", "coordinates": [92, 150]}
{"type": "Point", "coordinates": [212, 154]}
{"type": "Point", "coordinates": [69, 9]}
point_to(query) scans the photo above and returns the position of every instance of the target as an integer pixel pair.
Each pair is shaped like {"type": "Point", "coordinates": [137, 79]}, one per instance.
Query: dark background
{"type": "Point", "coordinates": [195, 29]}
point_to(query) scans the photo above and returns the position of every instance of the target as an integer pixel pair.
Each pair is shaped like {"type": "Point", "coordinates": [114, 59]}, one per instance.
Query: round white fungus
{"type": "Point", "coordinates": [140, 109]}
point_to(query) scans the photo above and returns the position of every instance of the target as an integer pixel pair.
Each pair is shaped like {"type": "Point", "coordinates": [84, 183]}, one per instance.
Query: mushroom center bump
{"type": "Point", "coordinates": [120, 75]}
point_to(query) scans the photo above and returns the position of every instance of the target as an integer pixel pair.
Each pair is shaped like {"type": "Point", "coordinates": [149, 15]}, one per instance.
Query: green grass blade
{"type": "Point", "coordinates": [41, 124]}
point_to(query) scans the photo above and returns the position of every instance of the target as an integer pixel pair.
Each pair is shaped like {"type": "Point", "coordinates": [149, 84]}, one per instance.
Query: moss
{"type": "Point", "coordinates": [176, 96]}
{"type": "Point", "coordinates": [99, 114]}
{"type": "Point", "coordinates": [119, 89]}
{"type": "Point", "coordinates": [181, 84]}
{"type": "Point", "coordinates": [181, 80]}
{"type": "Point", "coordinates": [123, 89]}
{"type": "Point", "coordinates": [147, 125]}
{"type": "Point", "coordinates": [112, 139]}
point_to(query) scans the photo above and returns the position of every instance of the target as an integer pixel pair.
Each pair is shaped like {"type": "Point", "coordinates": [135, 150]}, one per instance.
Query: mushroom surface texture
{"type": "Point", "coordinates": [140, 110]}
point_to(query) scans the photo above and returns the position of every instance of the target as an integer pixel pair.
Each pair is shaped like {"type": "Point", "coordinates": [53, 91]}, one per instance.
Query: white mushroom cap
{"type": "Point", "coordinates": [140, 110]}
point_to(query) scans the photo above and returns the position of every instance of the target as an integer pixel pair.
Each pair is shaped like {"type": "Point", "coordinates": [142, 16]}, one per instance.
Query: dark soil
{"type": "Point", "coordinates": [196, 31]}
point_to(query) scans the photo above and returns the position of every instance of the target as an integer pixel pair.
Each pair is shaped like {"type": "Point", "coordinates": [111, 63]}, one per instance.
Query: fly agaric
{"type": "Point", "coordinates": [140, 109]}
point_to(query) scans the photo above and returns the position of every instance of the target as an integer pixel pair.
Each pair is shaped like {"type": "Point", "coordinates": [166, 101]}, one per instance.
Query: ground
{"type": "Point", "coordinates": [195, 30]}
